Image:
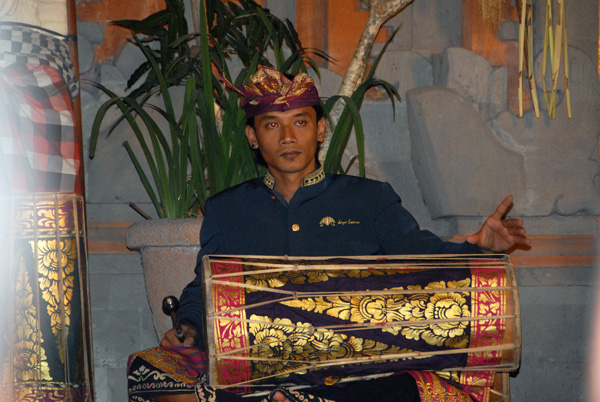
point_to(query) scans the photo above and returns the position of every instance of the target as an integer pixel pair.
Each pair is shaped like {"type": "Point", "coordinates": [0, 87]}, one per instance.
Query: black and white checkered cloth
{"type": "Point", "coordinates": [39, 148]}
{"type": "Point", "coordinates": [25, 44]}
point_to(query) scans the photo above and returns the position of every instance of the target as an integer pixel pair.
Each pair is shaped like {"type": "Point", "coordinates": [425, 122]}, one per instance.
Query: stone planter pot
{"type": "Point", "coordinates": [168, 248]}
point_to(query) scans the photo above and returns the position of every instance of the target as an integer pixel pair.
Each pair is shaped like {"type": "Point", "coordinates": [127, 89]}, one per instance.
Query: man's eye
{"type": "Point", "coordinates": [301, 122]}
{"type": "Point", "coordinates": [272, 125]}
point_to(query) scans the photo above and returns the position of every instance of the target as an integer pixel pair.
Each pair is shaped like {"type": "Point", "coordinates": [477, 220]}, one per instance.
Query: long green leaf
{"type": "Point", "coordinates": [145, 181]}
{"type": "Point", "coordinates": [196, 157]}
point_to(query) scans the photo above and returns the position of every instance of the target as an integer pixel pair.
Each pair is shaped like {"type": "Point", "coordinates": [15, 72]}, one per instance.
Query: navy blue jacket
{"type": "Point", "coordinates": [331, 215]}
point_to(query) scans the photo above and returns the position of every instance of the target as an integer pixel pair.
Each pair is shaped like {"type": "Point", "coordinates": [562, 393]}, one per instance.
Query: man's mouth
{"type": "Point", "coordinates": [290, 154]}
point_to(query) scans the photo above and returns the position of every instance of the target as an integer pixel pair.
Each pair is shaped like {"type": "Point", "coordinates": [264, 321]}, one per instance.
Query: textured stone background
{"type": "Point", "coordinates": [451, 149]}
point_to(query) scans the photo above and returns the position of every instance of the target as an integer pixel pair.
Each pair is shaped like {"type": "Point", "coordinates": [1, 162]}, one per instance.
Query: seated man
{"type": "Point", "coordinates": [287, 213]}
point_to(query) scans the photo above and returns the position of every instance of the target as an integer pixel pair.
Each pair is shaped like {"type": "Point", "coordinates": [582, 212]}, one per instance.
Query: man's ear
{"type": "Point", "coordinates": [251, 136]}
{"type": "Point", "coordinates": [321, 127]}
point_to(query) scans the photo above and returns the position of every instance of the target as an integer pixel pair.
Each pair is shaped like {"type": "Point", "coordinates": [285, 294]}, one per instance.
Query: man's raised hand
{"type": "Point", "coordinates": [499, 234]}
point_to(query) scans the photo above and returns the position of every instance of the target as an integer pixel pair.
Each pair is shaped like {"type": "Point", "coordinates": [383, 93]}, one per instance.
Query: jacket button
{"type": "Point", "coordinates": [295, 227]}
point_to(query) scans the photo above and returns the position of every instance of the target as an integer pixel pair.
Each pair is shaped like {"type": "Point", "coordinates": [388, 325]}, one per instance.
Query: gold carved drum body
{"type": "Point", "coordinates": [317, 320]}
{"type": "Point", "coordinates": [46, 343]}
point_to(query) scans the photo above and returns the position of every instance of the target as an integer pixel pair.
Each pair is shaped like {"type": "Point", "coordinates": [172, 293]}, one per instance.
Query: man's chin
{"type": "Point", "coordinates": [292, 168]}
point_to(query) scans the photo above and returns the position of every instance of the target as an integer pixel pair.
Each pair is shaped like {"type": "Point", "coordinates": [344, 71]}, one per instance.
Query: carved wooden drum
{"type": "Point", "coordinates": [312, 320]}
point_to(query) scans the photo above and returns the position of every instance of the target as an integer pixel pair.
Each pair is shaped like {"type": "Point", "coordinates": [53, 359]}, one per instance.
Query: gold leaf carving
{"type": "Point", "coordinates": [278, 279]}
{"type": "Point", "coordinates": [57, 260]}
{"type": "Point", "coordinates": [397, 308]}
{"type": "Point", "coordinates": [291, 346]}
{"type": "Point", "coordinates": [30, 363]}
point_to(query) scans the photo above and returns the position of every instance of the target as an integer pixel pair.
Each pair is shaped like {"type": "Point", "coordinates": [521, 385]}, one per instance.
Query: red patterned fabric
{"type": "Point", "coordinates": [185, 364]}
{"type": "Point", "coordinates": [194, 360]}
{"type": "Point", "coordinates": [38, 146]}
{"type": "Point", "coordinates": [434, 389]}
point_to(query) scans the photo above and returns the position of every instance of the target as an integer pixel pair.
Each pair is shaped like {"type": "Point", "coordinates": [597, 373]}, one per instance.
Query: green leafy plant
{"type": "Point", "coordinates": [204, 149]}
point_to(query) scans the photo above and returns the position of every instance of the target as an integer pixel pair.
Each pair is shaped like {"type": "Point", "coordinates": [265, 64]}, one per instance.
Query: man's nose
{"type": "Point", "coordinates": [287, 135]}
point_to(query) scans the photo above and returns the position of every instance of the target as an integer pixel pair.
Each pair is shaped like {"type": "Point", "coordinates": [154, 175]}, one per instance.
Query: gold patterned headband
{"type": "Point", "coordinates": [270, 90]}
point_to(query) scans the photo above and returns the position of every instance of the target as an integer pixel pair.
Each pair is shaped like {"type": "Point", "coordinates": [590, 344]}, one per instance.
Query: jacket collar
{"type": "Point", "coordinates": [310, 179]}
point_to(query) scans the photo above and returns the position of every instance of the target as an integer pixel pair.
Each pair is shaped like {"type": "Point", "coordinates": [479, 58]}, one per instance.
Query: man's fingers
{"type": "Point", "coordinates": [279, 397]}
{"type": "Point", "coordinates": [189, 340]}
{"type": "Point", "coordinates": [190, 336]}
{"type": "Point", "coordinates": [502, 208]}
{"type": "Point", "coordinates": [516, 231]}
{"type": "Point", "coordinates": [522, 239]}
{"type": "Point", "coordinates": [167, 339]}
{"type": "Point", "coordinates": [512, 222]}
{"type": "Point", "coordinates": [170, 338]}
{"type": "Point", "coordinates": [514, 226]}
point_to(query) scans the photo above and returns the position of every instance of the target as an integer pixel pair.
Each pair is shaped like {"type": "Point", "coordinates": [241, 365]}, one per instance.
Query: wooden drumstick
{"type": "Point", "coordinates": [170, 305]}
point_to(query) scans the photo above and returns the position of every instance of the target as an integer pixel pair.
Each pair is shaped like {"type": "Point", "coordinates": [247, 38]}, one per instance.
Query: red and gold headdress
{"type": "Point", "coordinates": [270, 90]}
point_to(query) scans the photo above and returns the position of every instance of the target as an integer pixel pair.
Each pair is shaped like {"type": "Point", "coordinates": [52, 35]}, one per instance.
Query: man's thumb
{"type": "Point", "coordinates": [473, 239]}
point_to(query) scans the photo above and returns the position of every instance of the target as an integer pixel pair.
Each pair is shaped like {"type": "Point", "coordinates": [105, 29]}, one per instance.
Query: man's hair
{"type": "Point", "coordinates": [318, 111]}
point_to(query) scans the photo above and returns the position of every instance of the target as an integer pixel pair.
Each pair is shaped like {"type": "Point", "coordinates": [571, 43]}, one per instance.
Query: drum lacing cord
{"type": "Point", "coordinates": [295, 294]}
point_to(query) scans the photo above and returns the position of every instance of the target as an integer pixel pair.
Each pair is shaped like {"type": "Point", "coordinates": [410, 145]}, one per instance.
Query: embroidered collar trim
{"type": "Point", "coordinates": [310, 179]}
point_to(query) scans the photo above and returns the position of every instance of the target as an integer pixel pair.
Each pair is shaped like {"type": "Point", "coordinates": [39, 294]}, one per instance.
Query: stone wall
{"type": "Point", "coordinates": [121, 320]}
{"type": "Point", "coordinates": [556, 307]}
{"type": "Point", "coordinates": [451, 148]}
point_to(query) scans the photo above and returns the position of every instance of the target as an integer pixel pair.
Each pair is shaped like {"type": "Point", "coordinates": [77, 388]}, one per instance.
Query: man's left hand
{"type": "Point", "coordinates": [498, 234]}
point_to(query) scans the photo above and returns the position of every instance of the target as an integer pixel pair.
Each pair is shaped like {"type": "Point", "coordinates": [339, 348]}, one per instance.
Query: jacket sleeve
{"type": "Point", "coordinates": [191, 303]}
{"type": "Point", "coordinates": [399, 233]}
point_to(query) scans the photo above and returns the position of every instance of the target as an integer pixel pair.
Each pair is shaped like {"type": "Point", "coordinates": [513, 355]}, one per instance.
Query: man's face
{"type": "Point", "coordinates": [288, 140]}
